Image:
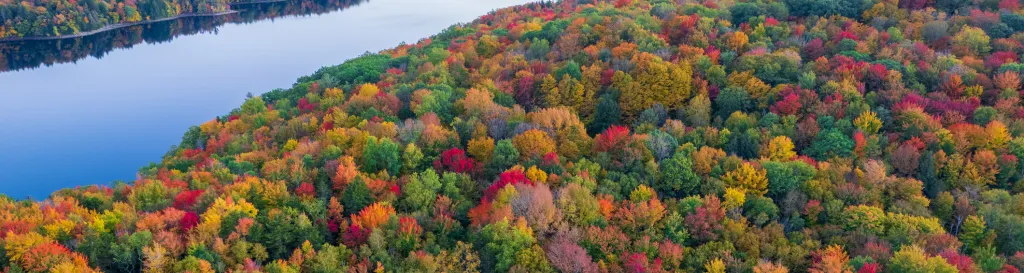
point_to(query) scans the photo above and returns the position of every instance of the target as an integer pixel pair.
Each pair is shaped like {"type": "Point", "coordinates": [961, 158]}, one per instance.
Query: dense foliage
{"type": "Point", "coordinates": [625, 136]}
{"type": "Point", "coordinates": [17, 55]}
{"type": "Point", "coordinates": [44, 18]}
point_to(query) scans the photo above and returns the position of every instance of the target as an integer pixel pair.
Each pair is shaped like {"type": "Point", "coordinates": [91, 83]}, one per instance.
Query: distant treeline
{"type": "Point", "coordinates": [31, 54]}
{"type": "Point", "coordinates": [50, 18]}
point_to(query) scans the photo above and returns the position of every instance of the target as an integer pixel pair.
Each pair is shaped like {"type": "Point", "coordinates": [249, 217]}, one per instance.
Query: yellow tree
{"type": "Point", "coordinates": [833, 260]}
{"type": "Point", "coordinates": [591, 85]}
{"type": "Point", "coordinates": [868, 122]}
{"type": "Point", "coordinates": [736, 40]}
{"type": "Point", "coordinates": [549, 91]}
{"type": "Point", "coordinates": [654, 81]}
{"type": "Point", "coordinates": [779, 148]}
{"type": "Point", "coordinates": [998, 136]}
{"type": "Point", "coordinates": [748, 178]}
{"type": "Point", "coordinates": [533, 144]}
{"type": "Point", "coordinates": [481, 148]}
{"type": "Point", "coordinates": [571, 92]}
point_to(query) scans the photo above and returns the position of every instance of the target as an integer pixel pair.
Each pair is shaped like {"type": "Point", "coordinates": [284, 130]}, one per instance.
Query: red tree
{"type": "Point", "coordinates": [186, 199]}
{"type": "Point", "coordinates": [454, 160]}
{"type": "Point", "coordinates": [189, 221]}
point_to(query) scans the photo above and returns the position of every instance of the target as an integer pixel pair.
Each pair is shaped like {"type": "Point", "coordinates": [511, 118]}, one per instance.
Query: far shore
{"type": "Point", "coordinates": [122, 25]}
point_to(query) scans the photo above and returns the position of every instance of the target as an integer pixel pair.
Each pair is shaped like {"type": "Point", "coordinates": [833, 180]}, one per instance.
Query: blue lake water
{"type": "Point", "coordinates": [98, 120]}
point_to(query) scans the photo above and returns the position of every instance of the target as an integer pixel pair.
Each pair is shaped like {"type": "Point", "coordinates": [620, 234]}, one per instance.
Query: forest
{"type": "Point", "coordinates": [763, 136]}
{"type": "Point", "coordinates": [18, 55]}
{"type": "Point", "coordinates": [54, 18]}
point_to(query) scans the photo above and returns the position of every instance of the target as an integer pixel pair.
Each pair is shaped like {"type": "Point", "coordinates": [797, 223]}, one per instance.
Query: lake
{"type": "Point", "coordinates": [92, 110]}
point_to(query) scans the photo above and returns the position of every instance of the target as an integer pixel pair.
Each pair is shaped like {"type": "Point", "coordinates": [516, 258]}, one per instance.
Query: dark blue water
{"type": "Point", "coordinates": [99, 119]}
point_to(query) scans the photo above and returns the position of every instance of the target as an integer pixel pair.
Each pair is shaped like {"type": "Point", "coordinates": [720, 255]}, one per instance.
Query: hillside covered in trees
{"type": "Point", "coordinates": [596, 136]}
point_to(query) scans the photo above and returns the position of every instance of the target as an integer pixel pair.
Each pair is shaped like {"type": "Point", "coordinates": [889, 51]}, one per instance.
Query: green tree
{"type": "Point", "coordinates": [972, 232]}
{"type": "Point", "coordinates": [973, 40]}
{"type": "Point", "coordinates": [502, 243]}
{"type": "Point", "coordinates": [732, 99]}
{"type": "Point", "coordinates": [357, 196]}
{"type": "Point", "coordinates": [330, 258]}
{"type": "Point", "coordinates": [421, 190]}
{"type": "Point", "coordinates": [678, 178]}
{"type": "Point", "coordinates": [412, 157]}
{"type": "Point", "coordinates": [381, 155]}
{"type": "Point", "coordinates": [607, 114]}
{"type": "Point", "coordinates": [831, 143]}
{"type": "Point", "coordinates": [505, 156]}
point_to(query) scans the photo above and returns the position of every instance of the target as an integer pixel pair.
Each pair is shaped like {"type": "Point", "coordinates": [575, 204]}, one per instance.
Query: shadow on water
{"type": "Point", "coordinates": [20, 55]}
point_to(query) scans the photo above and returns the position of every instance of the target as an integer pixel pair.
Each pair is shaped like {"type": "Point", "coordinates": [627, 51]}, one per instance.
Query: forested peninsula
{"type": "Point", "coordinates": [593, 136]}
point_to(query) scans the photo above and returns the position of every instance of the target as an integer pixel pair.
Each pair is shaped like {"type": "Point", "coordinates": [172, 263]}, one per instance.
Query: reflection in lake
{"type": "Point", "coordinates": [32, 54]}
{"type": "Point", "coordinates": [98, 120]}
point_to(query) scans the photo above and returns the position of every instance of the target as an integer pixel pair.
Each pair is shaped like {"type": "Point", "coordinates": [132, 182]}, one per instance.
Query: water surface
{"type": "Point", "coordinates": [97, 120]}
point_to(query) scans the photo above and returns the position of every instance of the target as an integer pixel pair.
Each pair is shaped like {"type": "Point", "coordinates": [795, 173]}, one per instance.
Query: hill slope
{"type": "Point", "coordinates": [626, 136]}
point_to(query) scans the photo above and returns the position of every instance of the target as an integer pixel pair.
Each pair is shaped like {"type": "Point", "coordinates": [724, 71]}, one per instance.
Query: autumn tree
{"type": "Point", "coordinates": [746, 177]}
{"type": "Point", "coordinates": [654, 81]}
{"type": "Point", "coordinates": [533, 144]}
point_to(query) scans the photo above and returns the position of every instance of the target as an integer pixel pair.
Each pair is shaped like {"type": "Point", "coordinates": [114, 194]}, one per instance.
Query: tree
{"type": "Point", "coordinates": [481, 148]}
{"type": "Point", "coordinates": [380, 155]}
{"type": "Point", "coordinates": [912, 259]}
{"type": "Point", "coordinates": [505, 156]}
{"type": "Point", "coordinates": [502, 242]}
{"type": "Point", "coordinates": [460, 259]}
{"type": "Point", "coordinates": [704, 222]}
{"type": "Point", "coordinates": [698, 112]}
{"type": "Point", "coordinates": [746, 177]}
{"type": "Point", "coordinates": [789, 104]}
{"type": "Point", "coordinates": [330, 258]}
{"type": "Point", "coordinates": [865, 218]}
{"type": "Point", "coordinates": [346, 173]}
{"type": "Point", "coordinates": [455, 160]}
{"type": "Point", "coordinates": [831, 143]}
{"type": "Point", "coordinates": [421, 190]}
{"type": "Point", "coordinates": [715, 266]}
{"type": "Point", "coordinates": [972, 233]}
{"type": "Point", "coordinates": [906, 159]}
{"type": "Point", "coordinates": [549, 91]}
{"type": "Point", "coordinates": [832, 259]}
{"type": "Point", "coordinates": [411, 158]}
{"type": "Point", "coordinates": [998, 136]}
{"type": "Point", "coordinates": [607, 113]}
{"type": "Point", "coordinates": [655, 81]}
{"type": "Point", "coordinates": [786, 177]}
{"type": "Point", "coordinates": [736, 40]}
{"type": "Point", "coordinates": [578, 206]}
{"type": "Point", "coordinates": [678, 177]}
{"type": "Point", "coordinates": [813, 49]}
{"type": "Point", "coordinates": [661, 144]}
{"type": "Point", "coordinates": [374, 215]}
{"type": "Point", "coordinates": [150, 195]}
{"type": "Point", "coordinates": [780, 148]}
{"type": "Point", "coordinates": [732, 99]}
{"type": "Point", "coordinates": [971, 40]}
{"type": "Point", "coordinates": [533, 144]}
{"type": "Point", "coordinates": [868, 123]}
{"type": "Point", "coordinates": [535, 204]}
{"type": "Point", "coordinates": [567, 256]}
{"type": "Point", "coordinates": [356, 197]}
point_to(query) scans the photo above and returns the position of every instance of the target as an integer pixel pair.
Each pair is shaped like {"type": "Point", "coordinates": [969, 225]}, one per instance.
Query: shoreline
{"type": "Point", "coordinates": [123, 25]}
